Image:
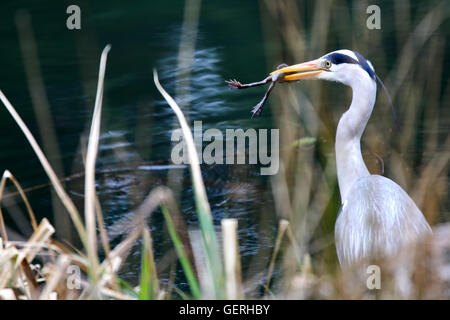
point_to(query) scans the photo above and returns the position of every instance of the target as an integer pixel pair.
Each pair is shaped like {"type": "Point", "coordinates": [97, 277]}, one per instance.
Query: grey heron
{"type": "Point", "coordinates": [377, 217]}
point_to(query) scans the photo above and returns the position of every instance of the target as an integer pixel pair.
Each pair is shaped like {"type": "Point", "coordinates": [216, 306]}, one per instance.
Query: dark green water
{"type": "Point", "coordinates": [136, 122]}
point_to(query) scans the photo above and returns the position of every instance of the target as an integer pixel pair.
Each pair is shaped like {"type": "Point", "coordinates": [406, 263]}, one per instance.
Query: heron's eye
{"type": "Point", "coordinates": [327, 64]}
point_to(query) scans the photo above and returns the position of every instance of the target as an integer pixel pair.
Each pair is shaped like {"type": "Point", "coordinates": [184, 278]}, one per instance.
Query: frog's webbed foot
{"type": "Point", "coordinates": [234, 84]}
{"type": "Point", "coordinates": [256, 111]}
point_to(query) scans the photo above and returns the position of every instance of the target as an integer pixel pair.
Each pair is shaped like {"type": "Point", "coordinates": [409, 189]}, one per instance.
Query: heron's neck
{"type": "Point", "coordinates": [349, 160]}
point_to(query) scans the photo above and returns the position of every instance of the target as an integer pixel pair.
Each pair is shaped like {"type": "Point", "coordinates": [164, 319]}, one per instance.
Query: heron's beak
{"type": "Point", "coordinates": [306, 70]}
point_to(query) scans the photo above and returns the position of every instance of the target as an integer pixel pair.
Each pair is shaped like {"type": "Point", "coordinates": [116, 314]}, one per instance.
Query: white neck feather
{"type": "Point", "coordinates": [349, 160]}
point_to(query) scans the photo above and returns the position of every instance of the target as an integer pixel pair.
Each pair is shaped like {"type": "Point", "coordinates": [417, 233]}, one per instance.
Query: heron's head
{"type": "Point", "coordinates": [343, 66]}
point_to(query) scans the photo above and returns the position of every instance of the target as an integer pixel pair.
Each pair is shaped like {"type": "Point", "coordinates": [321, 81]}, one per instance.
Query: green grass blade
{"type": "Point", "coordinates": [201, 201]}
{"type": "Point", "coordinates": [127, 288]}
{"type": "Point", "coordinates": [149, 281]}
{"type": "Point", "coordinates": [186, 265]}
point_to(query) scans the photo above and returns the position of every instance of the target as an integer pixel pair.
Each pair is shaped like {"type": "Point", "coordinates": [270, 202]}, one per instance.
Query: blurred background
{"type": "Point", "coordinates": [49, 73]}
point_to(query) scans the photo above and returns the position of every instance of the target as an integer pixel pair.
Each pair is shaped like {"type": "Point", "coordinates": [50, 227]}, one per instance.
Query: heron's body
{"type": "Point", "coordinates": [377, 217]}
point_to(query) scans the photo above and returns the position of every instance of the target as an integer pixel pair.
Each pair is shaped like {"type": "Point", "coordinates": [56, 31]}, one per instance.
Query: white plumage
{"type": "Point", "coordinates": [377, 217]}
